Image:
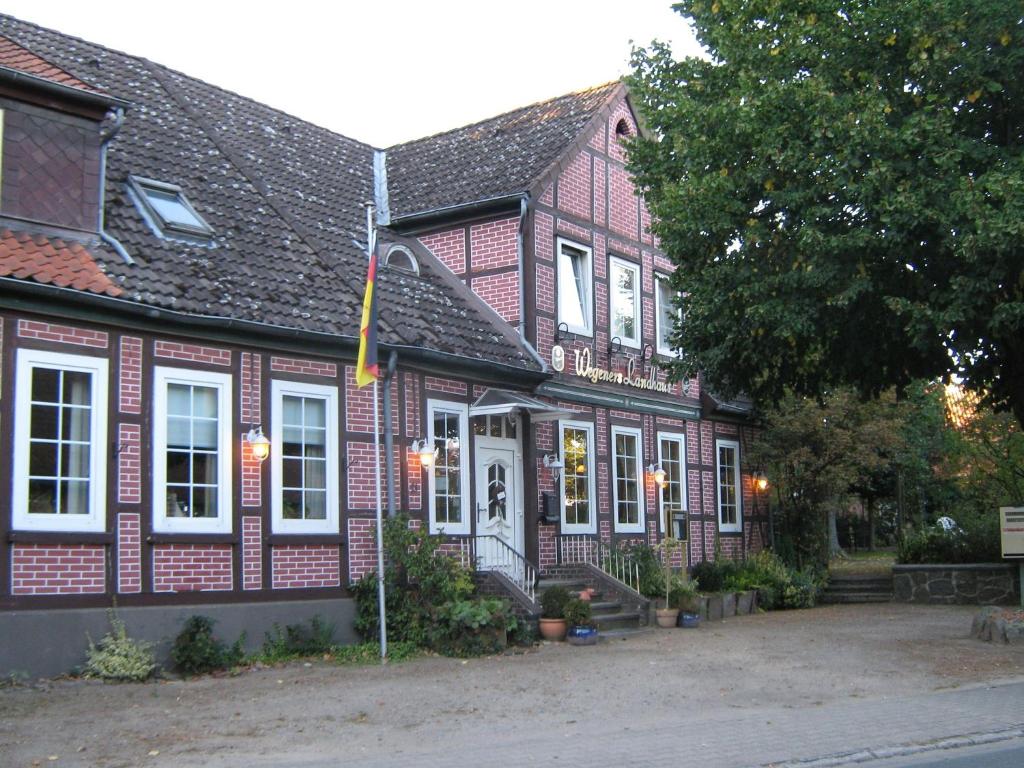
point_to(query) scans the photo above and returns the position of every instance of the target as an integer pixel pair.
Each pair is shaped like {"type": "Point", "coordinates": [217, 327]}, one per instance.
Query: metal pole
{"type": "Point", "coordinates": [381, 612]}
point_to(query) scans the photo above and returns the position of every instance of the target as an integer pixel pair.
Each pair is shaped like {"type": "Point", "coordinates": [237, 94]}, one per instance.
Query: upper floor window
{"type": "Point", "coordinates": [60, 438]}
{"type": "Point", "coordinates": [579, 513]}
{"type": "Point", "coordinates": [304, 457]}
{"type": "Point", "coordinates": [730, 512]}
{"type": "Point", "coordinates": [168, 210]}
{"type": "Point", "coordinates": [449, 492]}
{"type": "Point", "coordinates": [575, 287]}
{"type": "Point", "coordinates": [627, 487]}
{"type": "Point", "coordinates": [191, 451]}
{"type": "Point", "coordinates": [668, 314]}
{"type": "Point", "coordinates": [624, 304]}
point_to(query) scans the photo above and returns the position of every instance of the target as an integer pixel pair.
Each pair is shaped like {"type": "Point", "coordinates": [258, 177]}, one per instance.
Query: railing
{"type": "Point", "coordinates": [583, 549]}
{"type": "Point", "coordinates": [489, 553]}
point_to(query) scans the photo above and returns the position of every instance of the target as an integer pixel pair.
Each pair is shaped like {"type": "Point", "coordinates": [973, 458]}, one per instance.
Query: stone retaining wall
{"type": "Point", "coordinates": [976, 584]}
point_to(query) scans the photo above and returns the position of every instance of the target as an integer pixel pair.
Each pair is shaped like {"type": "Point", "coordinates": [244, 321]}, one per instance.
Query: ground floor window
{"type": "Point", "coordinates": [578, 513]}
{"type": "Point", "coordinates": [627, 490]}
{"type": "Point", "coordinates": [672, 459]}
{"type": "Point", "coordinates": [449, 493]}
{"type": "Point", "coordinates": [730, 513]}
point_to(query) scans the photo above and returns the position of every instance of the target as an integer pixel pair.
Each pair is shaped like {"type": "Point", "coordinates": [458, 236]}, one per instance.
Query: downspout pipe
{"type": "Point", "coordinates": [389, 439]}
{"type": "Point", "coordinates": [107, 133]}
{"type": "Point", "coordinates": [524, 208]}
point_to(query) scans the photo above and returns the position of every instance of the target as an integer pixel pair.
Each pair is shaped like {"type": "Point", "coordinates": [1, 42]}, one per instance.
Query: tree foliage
{"type": "Point", "coordinates": [841, 185]}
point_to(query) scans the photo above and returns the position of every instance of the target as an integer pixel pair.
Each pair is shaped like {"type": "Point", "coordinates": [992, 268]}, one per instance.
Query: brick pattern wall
{"type": "Point", "coordinates": [362, 547]}
{"type": "Point", "coordinates": [252, 552]}
{"type": "Point", "coordinates": [548, 196]}
{"type": "Point", "coordinates": [544, 236]}
{"type": "Point", "coordinates": [252, 475]}
{"type": "Point", "coordinates": [501, 292]}
{"type": "Point", "coordinates": [362, 463]}
{"type": "Point", "coordinates": [574, 187]}
{"type": "Point", "coordinates": [59, 569]}
{"type": "Point", "coordinates": [129, 464]}
{"type": "Point", "coordinates": [304, 566]}
{"type": "Point", "coordinates": [359, 405]}
{"type": "Point", "coordinates": [130, 377]}
{"type": "Point", "coordinates": [547, 555]}
{"type": "Point", "coordinates": [493, 245]}
{"type": "Point", "coordinates": [63, 334]}
{"type": "Point", "coordinates": [129, 553]}
{"type": "Point", "coordinates": [192, 568]}
{"type": "Point", "coordinates": [449, 247]}
{"type": "Point", "coordinates": [251, 400]}
{"type": "Point", "coordinates": [574, 231]}
{"type": "Point", "coordinates": [449, 386]}
{"type": "Point", "coordinates": [600, 192]}
{"type": "Point", "coordinates": [303, 367]}
{"type": "Point", "coordinates": [191, 353]}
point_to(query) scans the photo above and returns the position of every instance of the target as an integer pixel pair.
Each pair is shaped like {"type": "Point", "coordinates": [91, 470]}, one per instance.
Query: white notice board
{"type": "Point", "coordinates": [1011, 526]}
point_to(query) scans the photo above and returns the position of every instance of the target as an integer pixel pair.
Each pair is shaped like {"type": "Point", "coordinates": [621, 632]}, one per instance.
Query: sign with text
{"type": "Point", "coordinates": [1011, 527]}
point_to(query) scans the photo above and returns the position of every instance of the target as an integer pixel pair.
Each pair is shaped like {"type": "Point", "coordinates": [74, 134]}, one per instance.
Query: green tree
{"type": "Point", "coordinates": [841, 185]}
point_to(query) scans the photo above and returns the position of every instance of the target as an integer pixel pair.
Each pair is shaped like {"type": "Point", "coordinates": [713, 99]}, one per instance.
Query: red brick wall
{"type": "Point", "coordinates": [304, 367]}
{"type": "Point", "coordinates": [57, 569]}
{"type": "Point", "coordinates": [547, 555]}
{"type": "Point", "coordinates": [251, 386]}
{"type": "Point", "coordinates": [191, 567]}
{"type": "Point", "coordinates": [252, 552]}
{"type": "Point", "coordinates": [449, 386]}
{"type": "Point", "coordinates": [501, 292]}
{"type": "Point", "coordinates": [359, 405]}
{"type": "Point", "coordinates": [449, 247]}
{"type": "Point", "coordinates": [130, 379]}
{"type": "Point", "coordinates": [129, 464]}
{"type": "Point", "coordinates": [64, 334]}
{"type": "Point", "coordinates": [252, 474]}
{"type": "Point", "coordinates": [574, 187]}
{"type": "Point", "coordinates": [306, 565]}
{"type": "Point", "coordinates": [191, 353]}
{"type": "Point", "coordinates": [493, 245]}
{"type": "Point", "coordinates": [362, 547]}
{"type": "Point", "coordinates": [129, 553]}
{"type": "Point", "coordinates": [362, 463]}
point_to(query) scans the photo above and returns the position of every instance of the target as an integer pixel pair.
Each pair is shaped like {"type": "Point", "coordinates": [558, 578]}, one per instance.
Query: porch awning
{"type": "Point", "coordinates": [501, 402]}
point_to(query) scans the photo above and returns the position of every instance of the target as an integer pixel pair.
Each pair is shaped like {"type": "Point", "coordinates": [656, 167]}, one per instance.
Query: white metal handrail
{"type": "Point", "coordinates": [617, 564]}
{"type": "Point", "coordinates": [491, 553]}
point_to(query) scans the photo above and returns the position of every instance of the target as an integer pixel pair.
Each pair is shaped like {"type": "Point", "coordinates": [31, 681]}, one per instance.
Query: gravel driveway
{"type": "Point", "coordinates": [786, 660]}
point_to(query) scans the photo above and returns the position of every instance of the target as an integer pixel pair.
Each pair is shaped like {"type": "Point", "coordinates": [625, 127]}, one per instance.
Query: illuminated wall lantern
{"type": "Point", "coordinates": [425, 452]}
{"type": "Point", "coordinates": [555, 464]}
{"type": "Point", "coordinates": [258, 443]}
{"type": "Point", "coordinates": [761, 482]}
{"type": "Point", "coordinates": [658, 474]}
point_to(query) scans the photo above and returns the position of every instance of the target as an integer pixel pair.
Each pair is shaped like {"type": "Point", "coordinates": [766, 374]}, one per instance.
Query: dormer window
{"type": "Point", "coordinates": [400, 257]}
{"type": "Point", "coordinates": [167, 210]}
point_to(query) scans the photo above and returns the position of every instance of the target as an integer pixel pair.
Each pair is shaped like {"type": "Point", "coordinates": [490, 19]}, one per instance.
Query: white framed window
{"type": "Point", "coordinates": [730, 501]}
{"type": "Point", "coordinates": [627, 486]}
{"type": "Point", "coordinates": [672, 498]}
{"type": "Point", "coordinates": [576, 287]}
{"type": "Point", "coordinates": [579, 500]}
{"type": "Point", "coordinates": [449, 490]}
{"type": "Point", "coordinates": [191, 451]}
{"type": "Point", "coordinates": [304, 457]}
{"type": "Point", "coordinates": [60, 442]}
{"type": "Point", "coordinates": [624, 300]}
{"type": "Point", "coordinates": [168, 210]}
{"type": "Point", "coordinates": [667, 314]}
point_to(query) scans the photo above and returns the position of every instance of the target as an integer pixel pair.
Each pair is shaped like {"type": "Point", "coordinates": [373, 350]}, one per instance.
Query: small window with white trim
{"type": "Point", "coordinates": [304, 457]}
{"type": "Point", "coordinates": [400, 257]}
{"type": "Point", "coordinates": [449, 491]}
{"type": "Point", "coordinates": [579, 510]}
{"type": "Point", "coordinates": [60, 442]}
{"type": "Point", "coordinates": [730, 503]}
{"type": "Point", "coordinates": [575, 287]}
{"type": "Point", "coordinates": [167, 210]}
{"type": "Point", "coordinates": [668, 314]}
{"type": "Point", "coordinates": [624, 301]}
{"type": "Point", "coordinates": [191, 451]}
{"type": "Point", "coordinates": [672, 495]}
{"type": "Point", "coordinates": [627, 486]}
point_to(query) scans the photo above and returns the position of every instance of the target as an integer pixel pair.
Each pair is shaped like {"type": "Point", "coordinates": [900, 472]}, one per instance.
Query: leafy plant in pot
{"type": "Point", "coordinates": [579, 618]}
{"type": "Point", "coordinates": [684, 596]}
{"type": "Point", "coordinates": [552, 613]}
{"type": "Point", "coordinates": [667, 615]}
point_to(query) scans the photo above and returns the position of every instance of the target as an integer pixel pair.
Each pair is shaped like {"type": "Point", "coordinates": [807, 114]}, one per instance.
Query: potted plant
{"type": "Point", "coordinates": [552, 613]}
{"type": "Point", "coordinates": [579, 618]}
{"type": "Point", "coordinates": [686, 598]}
{"type": "Point", "coordinates": [667, 616]}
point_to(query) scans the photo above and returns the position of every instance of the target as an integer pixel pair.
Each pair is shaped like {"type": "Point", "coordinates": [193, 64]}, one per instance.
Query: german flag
{"type": "Point", "coordinates": [367, 369]}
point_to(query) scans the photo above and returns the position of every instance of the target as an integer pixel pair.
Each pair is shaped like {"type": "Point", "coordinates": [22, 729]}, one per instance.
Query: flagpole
{"type": "Point", "coordinates": [381, 612]}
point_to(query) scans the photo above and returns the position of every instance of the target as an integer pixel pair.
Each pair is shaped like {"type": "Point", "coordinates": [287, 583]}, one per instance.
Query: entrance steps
{"type": "Point", "coordinates": [857, 588]}
{"type": "Point", "coordinates": [614, 618]}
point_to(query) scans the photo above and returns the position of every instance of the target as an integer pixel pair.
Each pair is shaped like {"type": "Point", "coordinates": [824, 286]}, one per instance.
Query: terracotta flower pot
{"type": "Point", "coordinates": [553, 629]}
{"type": "Point", "coordinates": [667, 617]}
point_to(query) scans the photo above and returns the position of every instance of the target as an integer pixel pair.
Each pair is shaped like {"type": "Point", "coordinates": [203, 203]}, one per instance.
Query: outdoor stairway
{"type": "Point", "coordinates": [858, 588]}
{"type": "Point", "coordinates": [611, 617]}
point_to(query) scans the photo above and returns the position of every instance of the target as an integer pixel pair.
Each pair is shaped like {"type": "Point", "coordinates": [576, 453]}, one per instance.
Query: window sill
{"type": "Point", "coordinates": [59, 537]}
{"type": "Point", "coordinates": [192, 538]}
{"type": "Point", "coordinates": [283, 539]}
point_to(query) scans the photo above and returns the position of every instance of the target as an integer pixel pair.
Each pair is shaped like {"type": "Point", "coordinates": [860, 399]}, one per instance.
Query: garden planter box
{"type": "Point", "coordinates": [728, 604]}
{"type": "Point", "coordinates": [715, 606]}
{"type": "Point", "coordinates": [746, 602]}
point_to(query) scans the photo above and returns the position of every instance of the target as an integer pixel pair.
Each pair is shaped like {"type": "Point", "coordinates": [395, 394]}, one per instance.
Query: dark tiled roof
{"type": "Point", "coordinates": [52, 261]}
{"type": "Point", "coordinates": [13, 56]}
{"type": "Point", "coordinates": [284, 200]}
{"type": "Point", "coordinates": [501, 156]}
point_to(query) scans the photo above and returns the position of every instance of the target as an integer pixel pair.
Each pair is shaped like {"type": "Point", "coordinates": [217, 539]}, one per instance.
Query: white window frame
{"type": "Point", "coordinates": [678, 437]}
{"type": "Point", "coordinates": [587, 427]}
{"type": "Point", "coordinates": [614, 263]}
{"type": "Point", "coordinates": [663, 350]}
{"type": "Point", "coordinates": [587, 329]}
{"type": "Point", "coordinates": [462, 411]}
{"type": "Point", "coordinates": [641, 492]}
{"type": "Point", "coordinates": [738, 525]}
{"type": "Point", "coordinates": [162, 523]}
{"type": "Point", "coordinates": [279, 388]}
{"type": "Point", "coordinates": [22, 519]}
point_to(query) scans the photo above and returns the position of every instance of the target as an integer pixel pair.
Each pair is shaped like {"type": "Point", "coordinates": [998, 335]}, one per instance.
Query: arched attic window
{"type": "Point", "coordinates": [400, 257]}
{"type": "Point", "coordinates": [622, 129]}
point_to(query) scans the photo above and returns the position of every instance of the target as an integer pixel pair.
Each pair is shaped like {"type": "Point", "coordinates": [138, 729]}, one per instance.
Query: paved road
{"type": "Point", "coordinates": [833, 734]}
{"type": "Point", "coordinates": [1004, 754]}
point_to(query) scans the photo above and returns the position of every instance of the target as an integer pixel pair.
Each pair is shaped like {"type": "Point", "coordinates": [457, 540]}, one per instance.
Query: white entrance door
{"type": "Point", "coordinates": [499, 511]}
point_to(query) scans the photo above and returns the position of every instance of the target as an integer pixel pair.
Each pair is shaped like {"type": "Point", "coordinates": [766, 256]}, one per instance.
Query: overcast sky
{"type": "Point", "coordinates": [382, 71]}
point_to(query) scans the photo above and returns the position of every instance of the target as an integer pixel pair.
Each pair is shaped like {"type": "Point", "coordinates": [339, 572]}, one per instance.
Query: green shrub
{"type": "Point", "coordinates": [369, 653]}
{"type": "Point", "coordinates": [803, 590]}
{"type": "Point", "coordinates": [683, 594]}
{"type": "Point", "coordinates": [196, 650]}
{"type": "Point", "coordinates": [553, 602]}
{"type": "Point", "coordinates": [651, 576]}
{"type": "Point", "coordinates": [578, 613]}
{"type": "Point", "coordinates": [118, 657]}
{"type": "Point", "coordinates": [974, 540]}
{"type": "Point", "coordinates": [710, 574]}
{"type": "Point", "coordinates": [298, 640]}
{"type": "Point", "coordinates": [472, 627]}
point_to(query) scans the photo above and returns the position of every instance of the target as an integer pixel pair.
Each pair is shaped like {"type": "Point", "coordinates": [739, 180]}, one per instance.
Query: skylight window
{"type": "Point", "coordinates": [167, 209]}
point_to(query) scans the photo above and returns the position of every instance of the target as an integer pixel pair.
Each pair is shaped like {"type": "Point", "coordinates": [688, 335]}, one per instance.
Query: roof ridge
{"type": "Point", "coordinates": [502, 115]}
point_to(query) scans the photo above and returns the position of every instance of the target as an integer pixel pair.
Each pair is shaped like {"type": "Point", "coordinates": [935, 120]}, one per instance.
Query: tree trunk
{"type": "Point", "coordinates": [834, 550]}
